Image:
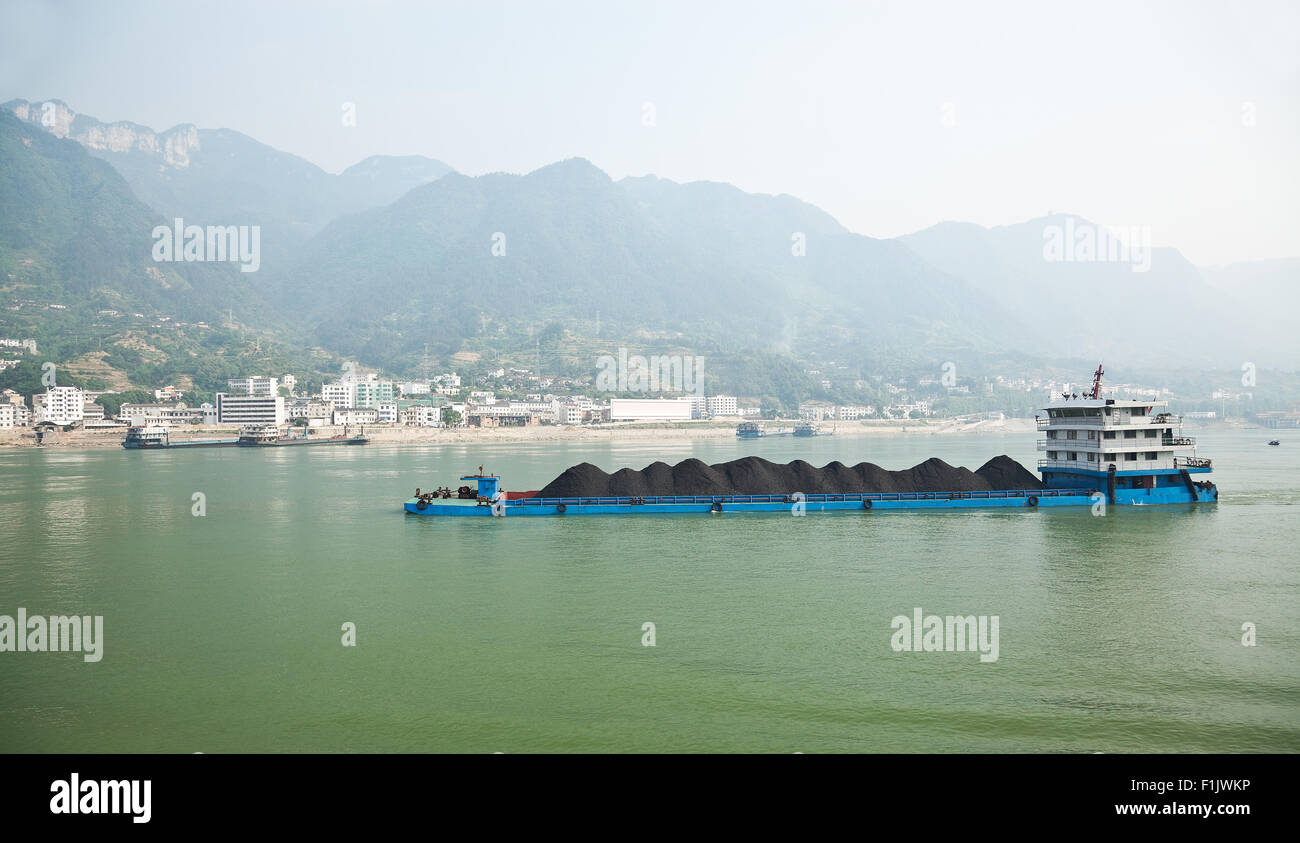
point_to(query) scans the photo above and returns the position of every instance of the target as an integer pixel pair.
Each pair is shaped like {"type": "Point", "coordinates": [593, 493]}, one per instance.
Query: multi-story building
{"type": "Point", "coordinates": [340, 393]}
{"type": "Point", "coordinates": [543, 410]}
{"type": "Point", "coordinates": [91, 412]}
{"type": "Point", "coordinates": [422, 415]}
{"type": "Point", "coordinates": [254, 386]}
{"type": "Point", "coordinates": [290, 383]}
{"type": "Point", "coordinates": [387, 411]}
{"type": "Point", "coordinates": [8, 417]}
{"type": "Point", "coordinates": [567, 412]}
{"type": "Point", "coordinates": [60, 405]}
{"type": "Point", "coordinates": [413, 388]}
{"type": "Point", "coordinates": [249, 409]}
{"type": "Point", "coordinates": [371, 393]}
{"type": "Point", "coordinates": [311, 409]}
{"type": "Point", "coordinates": [28, 346]}
{"type": "Point", "coordinates": [815, 411]}
{"type": "Point", "coordinates": [158, 414]}
{"type": "Point", "coordinates": [356, 415]}
{"type": "Point", "coordinates": [721, 405]}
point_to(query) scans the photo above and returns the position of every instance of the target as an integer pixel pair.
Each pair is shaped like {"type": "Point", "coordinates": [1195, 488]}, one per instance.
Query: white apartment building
{"type": "Point", "coordinates": [289, 382]}
{"type": "Point", "coordinates": [254, 386]}
{"type": "Point", "coordinates": [249, 409]}
{"type": "Point", "coordinates": [314, 411]}
{"type": "Point", "coordinates": [851, 412]}
{"type": "Point", "coordinates": [422, 415]}
{"type": "Point", "coordinates": [8, 417]}
{"type": "Point", "coordinates": [158, 414]}
{"type": "Point", "coordinates": [340, 393]}
{"type": "Point", "coordinates": [815, 411]}
{"type": "Point", "coordinates": [356, 415]}
{"type": "Point", "coordinates": [388, 412]}
{"type": "Point", "coordinates": [60, 405]}
{"type": "Point", "coordinates": [721, 405]}
{"type": "Point", "coordinates": [350, 393]}
{"type": "Point", "coordinates": [540, 408]}
{"type": "Point", "coordinates": [413, 388]}
{"type": "Point", "coordinates": [567, 413]}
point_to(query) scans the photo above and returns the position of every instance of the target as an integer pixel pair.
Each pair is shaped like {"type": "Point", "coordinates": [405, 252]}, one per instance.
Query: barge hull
{"type": "Point", "coordinates": [704, 505]}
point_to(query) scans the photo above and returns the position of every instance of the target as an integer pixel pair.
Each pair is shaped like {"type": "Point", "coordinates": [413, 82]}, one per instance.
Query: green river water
{"type": "Point", "coordinates": [222, 633]}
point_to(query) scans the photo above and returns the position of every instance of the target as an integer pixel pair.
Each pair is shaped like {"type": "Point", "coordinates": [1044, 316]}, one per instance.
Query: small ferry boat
{"type": "Point", "coordinates": [750, 430]}
{"type": "Point", "coordinates": [804, 429]}
{"type": "Point", "coordinates": [1274, 442]}
{"type": "Point", "coordinates": [1097, 450]}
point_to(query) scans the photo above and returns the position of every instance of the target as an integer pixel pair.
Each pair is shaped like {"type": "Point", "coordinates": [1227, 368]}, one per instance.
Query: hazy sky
{"type": "Point", "coordinates": [1181, 116]}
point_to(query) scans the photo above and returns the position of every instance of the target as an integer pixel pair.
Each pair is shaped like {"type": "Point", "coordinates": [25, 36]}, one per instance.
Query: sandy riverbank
{"type": "Point", "coordinates": [82, 439]}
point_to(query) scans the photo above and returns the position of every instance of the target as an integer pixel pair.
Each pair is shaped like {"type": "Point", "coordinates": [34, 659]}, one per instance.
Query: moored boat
{"type": "Point", "coordinates": [270, 436]}
{"type": "Point", "coordinates": [156, 436]}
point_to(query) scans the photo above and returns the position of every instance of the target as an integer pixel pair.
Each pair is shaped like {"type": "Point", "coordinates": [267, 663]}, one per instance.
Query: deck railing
{"type": "Point", "coordinates": [1120, 465]}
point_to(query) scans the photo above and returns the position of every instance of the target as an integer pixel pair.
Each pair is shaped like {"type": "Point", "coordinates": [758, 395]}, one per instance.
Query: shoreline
{"type": "Point", "coordinates": [24, 438]}
{"type": "Point", "coordinates": [645, 432]}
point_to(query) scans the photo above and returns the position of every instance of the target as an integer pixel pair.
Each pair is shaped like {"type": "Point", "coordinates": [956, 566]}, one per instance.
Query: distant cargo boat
{"type": "Point", "coordinates": [150, 437]}
{"type": "Point", "coordinates": [270, 436]}
{"type": "Point", "coordinates": [1097, 450]}
{"type": "Point", "coordinates": [804, 429]}
{"type": "Point", "coordinates": [750, 430]}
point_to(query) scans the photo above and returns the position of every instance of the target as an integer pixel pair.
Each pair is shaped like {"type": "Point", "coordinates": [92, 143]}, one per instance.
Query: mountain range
{"type": "Point", "coordinates": [400, 258]}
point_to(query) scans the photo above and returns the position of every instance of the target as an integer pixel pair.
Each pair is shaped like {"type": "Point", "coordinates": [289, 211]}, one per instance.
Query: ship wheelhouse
{"type": "Point", "coordinates": [1088, 439]}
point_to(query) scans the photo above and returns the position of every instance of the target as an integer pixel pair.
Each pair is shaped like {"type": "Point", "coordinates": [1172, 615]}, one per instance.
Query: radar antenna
{"type": "Point", "coordinates": [1096, 382]}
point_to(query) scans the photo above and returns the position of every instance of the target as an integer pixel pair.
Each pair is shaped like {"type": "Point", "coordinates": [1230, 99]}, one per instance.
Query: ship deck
{"type": "Point", "coordinates": [682, 504]}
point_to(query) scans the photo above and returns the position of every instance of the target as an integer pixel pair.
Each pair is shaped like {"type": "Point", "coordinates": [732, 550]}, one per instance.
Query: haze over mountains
{"type": "Point", "coordinates": [394, 255]}
{"type": "Point", "coordinates": [219, 176]}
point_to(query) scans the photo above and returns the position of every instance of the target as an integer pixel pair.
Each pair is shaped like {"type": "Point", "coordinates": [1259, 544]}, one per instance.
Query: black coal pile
{"type": "Point", "coordinates": [757, 476]}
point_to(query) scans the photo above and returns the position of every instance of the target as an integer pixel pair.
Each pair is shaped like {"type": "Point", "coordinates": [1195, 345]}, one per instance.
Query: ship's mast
{"type": "Point", "coordinates": [1096, 382]}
